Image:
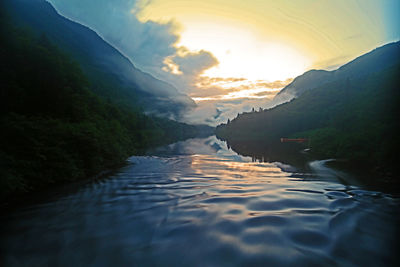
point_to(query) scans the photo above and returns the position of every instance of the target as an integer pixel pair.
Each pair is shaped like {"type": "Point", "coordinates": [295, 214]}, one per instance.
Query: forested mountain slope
{"type": "Point", "coordinates": [111, 74]}
{"type": "Point", "coordinates": [369, 63]}
{"type": "Point", "coordinates": [53, 127]}
{"type": "Point", "coordinates": [354, 117]}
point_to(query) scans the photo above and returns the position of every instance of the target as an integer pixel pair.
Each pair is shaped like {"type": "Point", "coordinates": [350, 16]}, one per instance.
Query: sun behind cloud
{"type": "Point", "coordinates": [240, 52]}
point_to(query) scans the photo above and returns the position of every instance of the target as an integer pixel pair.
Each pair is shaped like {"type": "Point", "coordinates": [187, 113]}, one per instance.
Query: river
{"type": "Point", "coordinates": [199, 203]}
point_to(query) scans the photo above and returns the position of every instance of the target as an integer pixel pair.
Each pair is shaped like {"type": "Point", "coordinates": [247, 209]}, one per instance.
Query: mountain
{"type": "Point", "coordinates": [54, 127]}
{"type": "Point", "coordinates": [374, 61]}
{"type": "Point", "coordinates": [353, 115]}
{"type": "Point", "coordinates": [112, 74]}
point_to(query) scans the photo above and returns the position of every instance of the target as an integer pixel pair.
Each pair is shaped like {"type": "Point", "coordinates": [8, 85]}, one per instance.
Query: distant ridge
{"type": "Point", "coordinates": [373, 61]}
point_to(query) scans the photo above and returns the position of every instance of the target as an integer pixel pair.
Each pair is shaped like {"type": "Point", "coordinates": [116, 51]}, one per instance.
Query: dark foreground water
{"type": "Point", "coordinates": [200, 204]}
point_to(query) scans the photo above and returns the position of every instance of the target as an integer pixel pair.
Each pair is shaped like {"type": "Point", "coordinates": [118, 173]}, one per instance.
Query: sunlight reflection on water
{"type": "Point", "coordinates": [199, 203]}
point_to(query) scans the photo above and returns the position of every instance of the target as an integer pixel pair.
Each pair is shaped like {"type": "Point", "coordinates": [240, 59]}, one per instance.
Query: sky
{"type": "Point", "coordinates": [233, 55]}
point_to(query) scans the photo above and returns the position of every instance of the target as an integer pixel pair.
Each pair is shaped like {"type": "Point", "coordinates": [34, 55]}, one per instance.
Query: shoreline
{"type": "Point", "coordinates": [57, 189]}
{"type": "Point", "coordinates": [54, 190]}
{"type": "Point", "coordinates": [372, 177]}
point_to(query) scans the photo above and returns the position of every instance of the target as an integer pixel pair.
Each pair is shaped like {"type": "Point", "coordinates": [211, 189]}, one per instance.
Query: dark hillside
{"type": "Point", "coordinates": [53, 127]}
{"type": "Point", "coordinates": [353, 117]}
{"type": "Point", "coordinates": [111, 74]}
{"type": "Point", "coordinates": [369, 63]}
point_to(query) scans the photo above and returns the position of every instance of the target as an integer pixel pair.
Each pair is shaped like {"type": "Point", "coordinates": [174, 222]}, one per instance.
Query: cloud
{"type": "Point", "coordinates": [152, 47]}
{"type": "Point", "coordinates": [239, 83]}
{"type": "Point", "coordinates": [183, 68]}
{"type": "Point", "coordinates": [221, 98]}
{"type": "Point", "coordinates": [216, 105]}
{"type": "Point", "coordinates": [266, 93]}
{"type": "Point", "coordinates": [194, 63]}
{"type": "Point", "coordinates": [205, 81]}
{"type": "Point", "coordinates": [215, 112]}
{"type": "Point", "coordinates": [146, 44]}
{"type": "Point", "coordinates": [275, 84]}
{"type": "Point", "coordinates": [223, 88]}
{"type": "Point", "coordinates": [218, 109]}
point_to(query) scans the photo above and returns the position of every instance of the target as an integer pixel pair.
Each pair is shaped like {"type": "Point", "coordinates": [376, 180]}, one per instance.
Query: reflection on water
{"type": "Point", "coordinates": [288, 153]}
{"type": "Point", "coordinates": [199, 203]}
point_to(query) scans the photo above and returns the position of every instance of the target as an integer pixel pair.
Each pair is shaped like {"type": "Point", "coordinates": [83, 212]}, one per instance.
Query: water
{"type": "Point", "coordinates": [199, 203]}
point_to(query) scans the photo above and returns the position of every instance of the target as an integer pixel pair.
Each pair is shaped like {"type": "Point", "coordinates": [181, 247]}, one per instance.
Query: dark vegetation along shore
{"type": "Point", "coordinates": [350, 114]}
{"type": "Point", "coordinates": [54, 128]}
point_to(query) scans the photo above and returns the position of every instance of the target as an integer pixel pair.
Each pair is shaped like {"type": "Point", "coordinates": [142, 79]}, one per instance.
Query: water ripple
{"type": "Point", "coordinates": [210, 209]}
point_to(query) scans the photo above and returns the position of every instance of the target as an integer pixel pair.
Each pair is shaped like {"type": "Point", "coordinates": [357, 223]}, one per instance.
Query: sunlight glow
{"type": "Point", "coordinates": [237, 88]}
{"type": "Point", "coordinates": [243, 55]}
{"type": "Point", "coordinates": [265, 41]}
{"type": "Point", "coordinates": [231, 167]}
{"type": "Point", "coordinates": [256, 93]}
{"type": "Point", "coordinates": [326, 33]}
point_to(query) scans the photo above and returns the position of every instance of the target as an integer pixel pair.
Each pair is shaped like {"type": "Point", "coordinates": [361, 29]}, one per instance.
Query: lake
{"type": "Point", "coordinates": [199, 203]}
